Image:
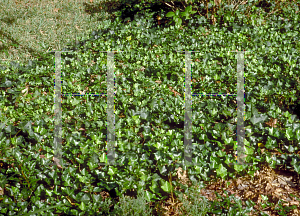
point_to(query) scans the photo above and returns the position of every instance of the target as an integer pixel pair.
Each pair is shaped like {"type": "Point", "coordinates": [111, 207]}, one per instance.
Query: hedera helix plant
{"type": "Point", "coordinates": [177, 15]}
{"type": "Point", "coordinates": [148, 166]}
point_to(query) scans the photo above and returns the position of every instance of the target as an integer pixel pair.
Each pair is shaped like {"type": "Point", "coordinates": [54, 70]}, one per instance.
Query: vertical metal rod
{"type": "Point", "coordinates": [110, 109]}
{"type": "Point", "coordinates": [57, 112]}
{"type": "Point", "coordinates": [240, 108]}
{"type": "Point", "coordinates": [188, 110]}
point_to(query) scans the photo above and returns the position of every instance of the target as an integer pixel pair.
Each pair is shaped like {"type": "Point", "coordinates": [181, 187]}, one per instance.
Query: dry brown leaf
{"type": "Point", "coordinates": [56, 161]}
{"type": "Point", "coordinates": [56, 10]}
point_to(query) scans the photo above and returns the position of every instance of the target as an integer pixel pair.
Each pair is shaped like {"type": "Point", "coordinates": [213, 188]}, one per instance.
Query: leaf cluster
{"type": "Point", "coordinates": [149, 107]}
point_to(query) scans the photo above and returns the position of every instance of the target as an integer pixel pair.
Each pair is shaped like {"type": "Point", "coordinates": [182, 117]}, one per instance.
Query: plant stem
{"type": "Point", "coordinates": [170, 180]}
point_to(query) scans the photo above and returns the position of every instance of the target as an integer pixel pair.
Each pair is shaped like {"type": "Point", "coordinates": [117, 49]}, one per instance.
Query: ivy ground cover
{"type": "Point", "coordinates": [149, 107]}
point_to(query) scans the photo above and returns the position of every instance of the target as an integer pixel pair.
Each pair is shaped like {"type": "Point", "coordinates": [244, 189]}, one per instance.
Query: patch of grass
{"type": "Point", "coordinates": [30, 28]}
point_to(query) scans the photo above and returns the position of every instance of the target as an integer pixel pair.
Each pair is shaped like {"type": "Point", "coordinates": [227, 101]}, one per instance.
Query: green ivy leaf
{"type": "Point", "coordinates": [258, 118]}
{"type": "Point", "coordinates": [40, 130]}
{"type": "Point", "coordinates": [298, 135]}
{"type": "Point", "coordinates": [178, 21]}
{"type": "Point", "coordinates": [82, 206]}
{"type": "Point", "coordinates": [149, 196]}
{"type": "Point", "coordinates": [103, 158]}
{"type": "Point", "coordinates": [249, 150]}
{"type": "Point", "coordinates": [112, 171]}
{"type": "Point", "coordinates": [297, 168]}
{"type": "Point", "coordinates": [166, 187]}
{"type": "Point", "coordinates": [170, 14]}
{"type": "Point", "coordinates": [239, 167]}
{"type": "Point", "coordinates": [75, 101]}
{"type": "Point", "coordinates": [289, 133]}
{"type": "Point", "coordinates": [222, 171]}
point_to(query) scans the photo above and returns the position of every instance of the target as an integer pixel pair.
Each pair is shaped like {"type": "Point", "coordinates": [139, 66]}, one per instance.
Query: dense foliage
{"type": "Point", "coordinates": [149, 107]}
